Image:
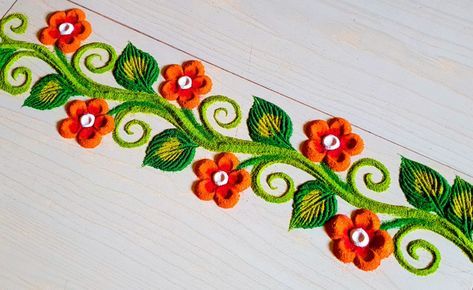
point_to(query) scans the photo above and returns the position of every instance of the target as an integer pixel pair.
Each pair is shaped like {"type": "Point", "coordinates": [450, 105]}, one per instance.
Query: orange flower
{"type": "Point", "coordinates": [219, 180]}
{"type": "Point", "coordinates": [331, 142]}
{"type": "Point", "coordinates": [359, 240]}
{"type": "Point", "coordinates": [186, 83]}
{"type": "Point", "coordinates": [87, 122]}
{"type": "Point", "coordinates": [66, 29]}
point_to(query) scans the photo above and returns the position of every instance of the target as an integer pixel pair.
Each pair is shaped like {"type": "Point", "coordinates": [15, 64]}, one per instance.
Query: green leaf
{"type": "Point", "coordinates": [424, 187]}
{"type": "Point", "coordinates": [314, 204]}
{"type": "Point", "coordinates": [267, 123]}
{"type": "Point", "coordinates": [5, 54]}
{"type": "Point", "coordinates": [49, 92]}
{"type": "Point", "coordinates": [460, 209]}
{"type": "Point", "coordinates": [136, 70]}
{"type": "Point", "coordinates": [170, 150]}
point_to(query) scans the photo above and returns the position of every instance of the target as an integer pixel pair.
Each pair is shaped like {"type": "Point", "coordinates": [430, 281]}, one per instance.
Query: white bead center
{"type": "Point", "coordinates": [184, 82]}
{"type": "Point", "coordinates": [66, 28]}
{"type": "Point", "coordinates": [87, 120]}
{"type": "Point", "coordinates": [359, 237]}
{"type": "Point", "coordinates": [220, 178]}
{"type": "Point", "coordinates": [331, 142]}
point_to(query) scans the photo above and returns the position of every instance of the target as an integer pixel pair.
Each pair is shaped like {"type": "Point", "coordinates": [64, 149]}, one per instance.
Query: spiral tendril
{"type": "Point", "coordinates": [18, 29]}
{"type": "Point", "coordinates": [257, 186]}
{"type": "Point", "coordinates": [208, 102]}
{"type": "Point", "coordinates": [379, 186]}
{"type": "Point", "coordinates": [412, 250]}
{"type": "Point", "coordinates": [16, 74]}
{"type": "Point", "coordinates": [89, 60]}
{"type": "Point", "coordinates": [145, 133]}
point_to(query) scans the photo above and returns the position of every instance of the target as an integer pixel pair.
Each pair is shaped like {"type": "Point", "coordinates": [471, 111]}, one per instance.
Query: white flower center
{"type": "Point", "coordinates": [66, 28]}
{"type": "Point", "coordinates": [184, 82]}
{"type": "Point", "coordinates": [220, 178]}
{"type": "Point", "coordinates": [87, 120]}
{"type": "Point", "coordinates": [359, 237]}
{"type": "Point", "coordinates": [331, 142]}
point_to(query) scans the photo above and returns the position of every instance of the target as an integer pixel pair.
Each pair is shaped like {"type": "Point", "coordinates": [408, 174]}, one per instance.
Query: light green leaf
{"type": "Point", "coordinates": [170, 150]}
{"type": "Point", "coordinates": [314, 204]}
{"type": "Point", "coordinates": [267, 123]}
{"type": "Point", "coordinates": [136, 70]}
{"type": "Point", "coordinates": [49, 92]}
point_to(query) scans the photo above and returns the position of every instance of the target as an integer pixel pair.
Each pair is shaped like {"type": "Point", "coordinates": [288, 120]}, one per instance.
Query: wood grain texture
{"type": "Point", "coordinates": [77, 219]}
{"type": "Point", "coordinates": [5, 5]}
{"type": "Point", "coordinates": [398, 69]}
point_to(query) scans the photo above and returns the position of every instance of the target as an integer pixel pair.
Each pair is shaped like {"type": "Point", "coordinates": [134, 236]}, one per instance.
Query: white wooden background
{"type": "Point", "coordinates": [401, 71]}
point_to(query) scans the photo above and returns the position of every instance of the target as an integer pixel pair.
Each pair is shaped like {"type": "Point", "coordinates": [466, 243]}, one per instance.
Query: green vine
{"type": "Point", "coordinates": [437, 206]}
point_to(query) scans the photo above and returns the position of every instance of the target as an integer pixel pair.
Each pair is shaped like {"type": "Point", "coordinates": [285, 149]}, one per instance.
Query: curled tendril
{"type": "Point", "coordinates": [91, 59]}
{"type": "Point", "coordinates": [257, 186]}
{"type": "Point", "coordinates": [16, 74]}
{"type": "Point", "coordinates": [204, 107]}
{"type": "Point", "coordinates": [412, 250]}
{"type": "Point", "coordinates": [379, 186]}
{"type": "Point", "coordinates": [18, 29]}
{"type": "Point", "coordinates": [145, 134]}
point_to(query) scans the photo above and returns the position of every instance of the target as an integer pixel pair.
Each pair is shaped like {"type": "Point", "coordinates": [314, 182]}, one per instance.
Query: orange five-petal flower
{"type": "Point", "coordinates": [359, 239]}
{"type": "Point", "coordinates": [185, 83]}
{"type": "Point", "coordinates": [66, 29]}
{"type": "Point", "coordinates": [220, 180]}
{"type": "Point", "coordinates": [331, 142]}
{"type": "Point", "coordinates": [87, 122]}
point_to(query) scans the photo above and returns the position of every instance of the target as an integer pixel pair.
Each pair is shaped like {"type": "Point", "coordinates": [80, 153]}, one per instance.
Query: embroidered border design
{"type": "Point", "coordinates": [362, 239]}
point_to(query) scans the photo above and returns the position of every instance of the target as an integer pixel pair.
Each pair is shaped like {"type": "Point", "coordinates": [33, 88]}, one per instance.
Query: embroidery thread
{"type": "Point", "coordinates": [437, 206]}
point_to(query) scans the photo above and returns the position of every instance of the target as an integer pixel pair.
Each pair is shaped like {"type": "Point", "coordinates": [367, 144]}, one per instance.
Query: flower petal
{"type": "Point", "coordinates": [366, 219]}
{"type": "Point", "coordinates": [239, 180]}
{"type": "Point", "coordinates": [339, 126]}
{"type": "Point", "coordinates": [382, 244]}
{"type": "Point", "coordinates": [48, 36]}
{"type": "Point", "coordinates": [75, 15]}
{"type": "Point", "coordinates": [76, 108]}
{"type": "Point", "coordinates": [204, 189]}
{"type": "Point", "coordinates": [173, 72]}
{"type": "Point", "coordinates": [97, 107]}
{"type": "Point", "coordinates": [88, 138]}
{"type": "Point", "coordinates": [316, 129]}
{"type": "Point", "coordinates": [193, 68]}
{"type": "Point", "coordinates": [82, 30]}
{"type": "Point", "coordinates": [68, 43]}
{"type": "Point", "coordinates": [104, 124]}
{"type": "Point", "coordinates": [225, 197]}
{"type": "Point", "coordinates": [202, 85]}
{"type": "Point", "coordinates": [68, 128]}
{"type": "Point", "coordinates": [352, 144]}
{"type": "Point", "coordinates": [339, 162]}
{"type": "Point", "coordinates": [169, 90]}
{"type": "Point", "coordinates": [313, 150]}
{"type": "Point", "coordinates": [205, 168]}
{"type": "Point", "coordinates": [341, 250]}
{"type": "Point", "coordinates": [56, 18]}
{"type": "Point", "coordinates": [367, 260]}
{"type": "Point", "coordinates": [189, 102]}
{"type": "Point", "coordinates": [338, 226]}
{"type": "Point", "coordinates": [227, 161]}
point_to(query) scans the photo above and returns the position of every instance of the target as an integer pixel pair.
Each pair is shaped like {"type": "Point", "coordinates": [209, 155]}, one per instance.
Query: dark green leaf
{"type": "Point", "coordinates": [424, 187]}
{"type": "Point", "coordinates": [314, 204]}
{"type": "Point", "coordinates": [136, 70]}
{"type": "Point", "coordinates": [460, 209]}
{"type": "Point", "coordinates": [49, 92]}
{"type": "Point", "coordinates": [5, 54]}
{"type": "Point", "coordinates": [170, 150]}
{"type": "Point", "coordinates": [267, 123]}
